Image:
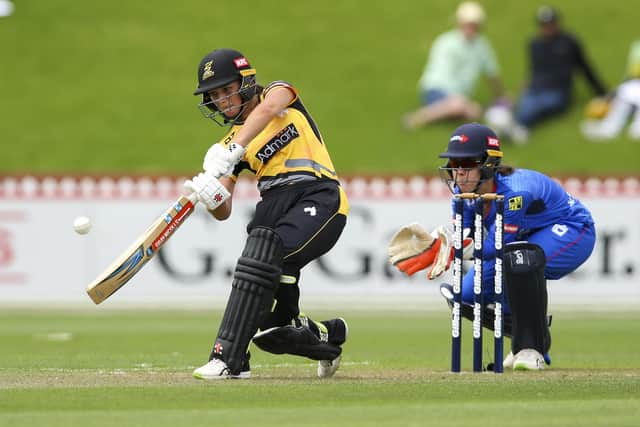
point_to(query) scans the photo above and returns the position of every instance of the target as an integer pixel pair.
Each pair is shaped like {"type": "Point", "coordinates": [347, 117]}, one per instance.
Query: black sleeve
{"type": "Point", "coordinates": [589, 73]}
{"type": "Point", "coordinates": [532, 56]}
{"type": "Point", "coordinates": [242, 165]}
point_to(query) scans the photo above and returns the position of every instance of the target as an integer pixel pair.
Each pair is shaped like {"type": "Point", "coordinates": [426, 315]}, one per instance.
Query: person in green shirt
{"type": "Point", "coordinates": [456, 61]}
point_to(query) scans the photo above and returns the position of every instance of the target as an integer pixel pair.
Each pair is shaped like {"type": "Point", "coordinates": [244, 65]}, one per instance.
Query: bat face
{"type": "Point", "coordinates": [141, 251]}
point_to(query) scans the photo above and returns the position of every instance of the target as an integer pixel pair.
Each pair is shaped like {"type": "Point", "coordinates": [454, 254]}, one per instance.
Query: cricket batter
{"type": "Point", "coordinates": [300, 216]}
{"type": "Point", "coordinates": [548, 234]}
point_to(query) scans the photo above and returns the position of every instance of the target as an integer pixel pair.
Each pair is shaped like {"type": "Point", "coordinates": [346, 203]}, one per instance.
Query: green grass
{"type": "Point", "coordinates": [106, 86]}
{"type": "Point", "coordinates": [67, 368]}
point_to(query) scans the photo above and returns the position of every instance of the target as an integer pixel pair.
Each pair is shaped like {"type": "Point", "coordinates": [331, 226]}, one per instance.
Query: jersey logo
{"type": "Point", "coordinates": [277, 143]}
{"type": "Point", "coordinates": [207, 71]}
{"type": "Point", "coordinates": [229, 138]}
{"type": "Point", "coordinates": [559, 229]}
{"type": "Point", "coordinates": [511, 228]}
{"type": "Point", "coordinates": [515, 203]}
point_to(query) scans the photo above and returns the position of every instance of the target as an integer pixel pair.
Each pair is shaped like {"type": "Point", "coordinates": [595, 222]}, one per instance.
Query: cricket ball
{"type": "Point", "coordinates": [82, 225]}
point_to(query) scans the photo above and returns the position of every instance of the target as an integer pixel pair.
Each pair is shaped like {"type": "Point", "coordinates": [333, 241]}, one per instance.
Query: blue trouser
{"type": "Point", "coordinates": [538, 104]}
{"type": "Point", "coordinates": [432, 96]}
{"type": "Point", "coordinates": [566, 247]}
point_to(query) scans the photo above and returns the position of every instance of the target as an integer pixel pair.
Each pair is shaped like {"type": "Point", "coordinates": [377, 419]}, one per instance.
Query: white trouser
{"type": "Point", "coordinates": [622, 106]}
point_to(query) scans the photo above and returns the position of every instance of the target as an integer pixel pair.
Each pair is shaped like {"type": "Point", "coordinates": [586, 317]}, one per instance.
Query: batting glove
{"type": "Point", "coordinates": [208, 190]}
{"type": "Point", "coordinates": [220, 159]}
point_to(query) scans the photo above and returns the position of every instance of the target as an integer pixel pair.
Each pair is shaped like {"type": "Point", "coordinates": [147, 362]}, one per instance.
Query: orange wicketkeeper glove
{"type": "Point", "coordinates": [413, 249]}
{"type": "Point", "coordinates": [421, 261]}
{"type": "Point", "coordinates": [446, 253]}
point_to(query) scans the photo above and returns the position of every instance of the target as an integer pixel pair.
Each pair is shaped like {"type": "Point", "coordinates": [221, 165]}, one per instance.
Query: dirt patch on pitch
{"type": "Point", "coordinates": [93, 378]}
{"type": "Point", "coordinates": [299, 373]}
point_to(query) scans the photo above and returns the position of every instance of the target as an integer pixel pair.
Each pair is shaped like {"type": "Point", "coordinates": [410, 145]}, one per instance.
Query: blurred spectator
{"type": "Point", "coordinates": [6, 8]}
{"type": "Point", "coordinates": [554, 56]}
{"type": "Point", "coordinates": [623, 104]}
{"type": "Point", "coordinates": [456, 61]}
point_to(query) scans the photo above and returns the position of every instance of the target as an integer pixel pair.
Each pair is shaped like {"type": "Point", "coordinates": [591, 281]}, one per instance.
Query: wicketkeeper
{"type": "Point", "coordinates": [300, 216]}
{"type": "Point", "coordinates": [547, 235]}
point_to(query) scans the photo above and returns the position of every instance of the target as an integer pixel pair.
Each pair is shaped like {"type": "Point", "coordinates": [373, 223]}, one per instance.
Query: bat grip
{"type": "Point", "coordinates": [193, 197]}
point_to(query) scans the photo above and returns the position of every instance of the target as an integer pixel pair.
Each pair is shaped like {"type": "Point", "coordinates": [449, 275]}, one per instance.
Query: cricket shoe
{"type": "Point", "coordinates": [508, 361]}
{"type": "Point", "coordinates": [338, 332]}
{"type": "Point", "coordinates": [528, 360]}
{"type": "Point", "coordinates": [327, 368]}
{"type": "Point", "coordinates": [216, 369]}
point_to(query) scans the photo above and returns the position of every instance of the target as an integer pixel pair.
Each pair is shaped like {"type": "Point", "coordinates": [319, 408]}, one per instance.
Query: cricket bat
{"type": "Point", "coordinates": [142, 250]}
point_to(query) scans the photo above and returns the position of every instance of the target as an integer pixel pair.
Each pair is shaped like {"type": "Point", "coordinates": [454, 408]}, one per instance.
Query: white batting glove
{"type": "Point", "coordinates": [208, 189]}
{"type": "Point", "coordinates": [220, 159]}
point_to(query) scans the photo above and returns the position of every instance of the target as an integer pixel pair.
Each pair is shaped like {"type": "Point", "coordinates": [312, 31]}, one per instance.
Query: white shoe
{"type": "Point", "coordinates": [595, 132]}
{"type": "Point", "coordinates": [528, 360]}
{"type": "Point", "coordinates": [216, 369]}
{"type": "Point", "coordinates": [508, 361]}
{"type": "Point", "coordinates": [326, 368]}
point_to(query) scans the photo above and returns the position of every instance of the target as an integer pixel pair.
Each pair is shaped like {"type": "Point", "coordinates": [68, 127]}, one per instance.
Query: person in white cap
{"type": "Point", "coordinates": [456, 61]}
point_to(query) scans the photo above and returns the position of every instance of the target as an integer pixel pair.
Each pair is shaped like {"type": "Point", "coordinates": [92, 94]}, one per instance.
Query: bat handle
{"type": "Point", "coordinates": [193, 197]}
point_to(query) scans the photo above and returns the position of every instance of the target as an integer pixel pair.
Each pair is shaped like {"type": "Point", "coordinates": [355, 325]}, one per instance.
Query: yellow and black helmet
{"type": "Point", "coordinates": [219, 68]}
{"type": "Point", "coordinates": [223, 66]}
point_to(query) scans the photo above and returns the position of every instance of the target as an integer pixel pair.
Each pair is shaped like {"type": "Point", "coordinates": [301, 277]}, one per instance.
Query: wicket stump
{"type": "Point", "coordinates": [478, 259]}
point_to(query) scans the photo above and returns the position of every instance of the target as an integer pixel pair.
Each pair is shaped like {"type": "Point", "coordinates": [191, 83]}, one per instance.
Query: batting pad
{"type": "Point", "coordinates": [299, 341]}
{"type": "Point", "coordinates": [255, 280]}
{"type": "Point", "coordinates": [527, 293]}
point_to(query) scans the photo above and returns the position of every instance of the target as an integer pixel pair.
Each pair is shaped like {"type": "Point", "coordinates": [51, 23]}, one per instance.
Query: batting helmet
{"type": "Point", "coordinates": [219, 68]}
{"type": "Point", "coordinates": [223, 66]}
{"type": "Point", "coordinates": [475, 141]}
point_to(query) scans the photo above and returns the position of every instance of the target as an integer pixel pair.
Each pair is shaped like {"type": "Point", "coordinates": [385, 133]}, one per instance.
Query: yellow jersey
{"type": "Point", "coordinates": [289, 149]}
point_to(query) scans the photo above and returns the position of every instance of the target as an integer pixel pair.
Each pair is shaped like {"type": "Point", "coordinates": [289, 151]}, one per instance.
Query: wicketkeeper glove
{"type": "Point", "coordinates": [412, 249]}
{"type": "Point", "coordinates": [208, 189]}
{"type": "Point", "coordinates": [220, 159]}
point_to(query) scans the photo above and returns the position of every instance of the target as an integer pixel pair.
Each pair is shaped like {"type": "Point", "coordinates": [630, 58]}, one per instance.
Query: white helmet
{"type": "Point", "coordinates": [470, 12]}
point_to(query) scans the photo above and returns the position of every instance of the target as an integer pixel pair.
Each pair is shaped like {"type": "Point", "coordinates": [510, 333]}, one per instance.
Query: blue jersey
{"type": "Point", "coordinates": [533, 201]}
{"type": "Point", "coordinates": [537, 210]}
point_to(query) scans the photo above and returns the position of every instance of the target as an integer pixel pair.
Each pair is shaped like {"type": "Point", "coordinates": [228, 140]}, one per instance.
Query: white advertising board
{"type": "Point", "coordinates": [42, 261]}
